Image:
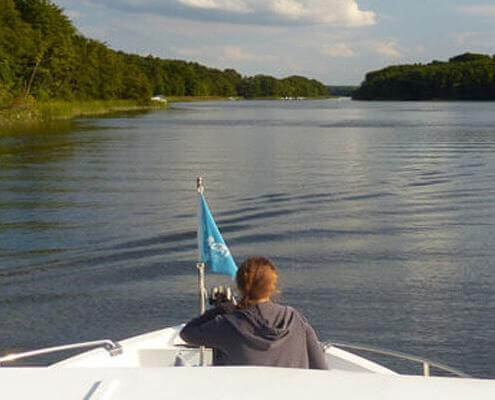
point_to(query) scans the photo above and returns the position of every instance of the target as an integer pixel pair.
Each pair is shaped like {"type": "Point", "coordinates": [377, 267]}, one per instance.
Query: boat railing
{"type": "Point", "coordinates": [427, 364]}
{"type": "Point", "coordinates": [113, 348]}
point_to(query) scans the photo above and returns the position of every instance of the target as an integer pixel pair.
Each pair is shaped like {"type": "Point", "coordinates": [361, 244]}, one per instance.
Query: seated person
{"type": "Point", "coordinates": [257, 331]}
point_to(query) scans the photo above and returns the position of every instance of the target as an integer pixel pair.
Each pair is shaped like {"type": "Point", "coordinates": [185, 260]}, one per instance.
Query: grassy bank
{"type": "Point", "coordinates": [66, 110]}
{"type": "Point", "coordinates": [28, 112]}
{"type": "Point", "coordinates": [25, 112]}
{"type": "Point", "coordinates": [19, 112]}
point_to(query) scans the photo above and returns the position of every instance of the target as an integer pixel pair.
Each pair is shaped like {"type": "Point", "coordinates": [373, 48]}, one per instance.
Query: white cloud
{"type": "Point", "coordinates": [73, 15]}
{"type": "Point", "coordinates": [290, 8]}
{"type": "Point", "coordinates": [479, 10]}
{"type": "Point", "coordinates": [464, 38]}
{"type": "Point", "coordinates": [335, 12]}
{"type": "Point", "coordinates": [338, 50]}
{"type": "Point", "coordinates": [254, 12]}
{"type": "Point", "coordinates": [346, 12]}
{"type": "Point", "coordinates": [420, 49]}
{"type": "Point", "coordinates": [237, 6]}
{"type": "Point", "coordinates": [388, 49]}
{"type": "Point", "coordinates": [237, 54]}
{"type": "Point", "coordinates": [225, 54]}
{"type": "Point", "coordinates": [189, 53]}
{"type": "Point", "coordinates": [474, 41]}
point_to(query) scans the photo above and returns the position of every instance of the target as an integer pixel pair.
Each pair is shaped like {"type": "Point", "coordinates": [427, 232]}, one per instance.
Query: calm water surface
{"type": "Point", "coordinates": [380, 216]}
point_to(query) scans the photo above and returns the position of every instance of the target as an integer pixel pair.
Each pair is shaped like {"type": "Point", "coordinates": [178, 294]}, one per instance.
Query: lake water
{"type": "Point", "coordinates": [380, 217]}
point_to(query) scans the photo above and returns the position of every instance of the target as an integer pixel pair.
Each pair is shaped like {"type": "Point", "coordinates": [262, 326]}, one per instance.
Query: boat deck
{"type": "Point", "coordinates": [231, 383]}
{"type": "Point", "coordinates": [147, 367]}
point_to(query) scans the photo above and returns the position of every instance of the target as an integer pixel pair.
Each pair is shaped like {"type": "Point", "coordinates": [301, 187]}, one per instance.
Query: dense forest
{"type": "Point", "coordinates": [464, 77]}
{"type": "Point", "coordinates": [44, 56]}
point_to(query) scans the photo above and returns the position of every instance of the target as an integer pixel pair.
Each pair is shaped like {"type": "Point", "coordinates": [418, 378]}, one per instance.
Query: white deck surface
{"type": "Point", "coordinates": [144, 371]}
{"type": "Point", "coordinates": [159, 349]}
{"type": "Point", "coordinates": [239, 383]}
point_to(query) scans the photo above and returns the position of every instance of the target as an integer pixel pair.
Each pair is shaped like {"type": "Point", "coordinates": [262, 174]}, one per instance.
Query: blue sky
{"type": "Point", "coordinates": [334, 41]}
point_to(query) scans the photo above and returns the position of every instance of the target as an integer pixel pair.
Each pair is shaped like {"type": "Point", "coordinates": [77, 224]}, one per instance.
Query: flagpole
{"type": "Point", "coordinates": [201, 267]}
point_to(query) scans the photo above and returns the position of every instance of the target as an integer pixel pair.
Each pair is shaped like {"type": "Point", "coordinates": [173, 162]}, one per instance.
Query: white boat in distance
{"type": "Point", "coordinates": [159, 365]}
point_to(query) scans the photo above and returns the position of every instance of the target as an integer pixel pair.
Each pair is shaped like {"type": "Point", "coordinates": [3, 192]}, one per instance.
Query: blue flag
{"type": "Point", "coordinates": [212, 248]}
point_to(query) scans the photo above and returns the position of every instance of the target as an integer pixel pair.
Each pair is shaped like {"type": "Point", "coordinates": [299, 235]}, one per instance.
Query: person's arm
{"type": "Point", "coordinates": [207, 329]}
{"type": "Point", "coordinates": [316, 355]}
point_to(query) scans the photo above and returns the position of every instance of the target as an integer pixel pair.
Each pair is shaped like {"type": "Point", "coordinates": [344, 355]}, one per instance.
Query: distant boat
{"type": "Point", "coordinates": [292, 98]}
{"type": "Point", "coordinates": [159, 98]}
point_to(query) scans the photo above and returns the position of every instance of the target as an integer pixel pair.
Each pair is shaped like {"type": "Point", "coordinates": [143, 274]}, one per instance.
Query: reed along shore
{"type": "Point", "coordinates": [28, 112]}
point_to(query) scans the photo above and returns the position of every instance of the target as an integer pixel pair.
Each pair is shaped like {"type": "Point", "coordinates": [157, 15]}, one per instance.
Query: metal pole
{"type": "Point", "coordinates": [200, 265]}
{"type": "Point", "coordinates": [113, 348]}
{"type": "Point", "coordinates": [426, 369]}
{"type": "Point", "coordinates": [201, 268]}
{"type": "Point", "coordinates": [201, 287]}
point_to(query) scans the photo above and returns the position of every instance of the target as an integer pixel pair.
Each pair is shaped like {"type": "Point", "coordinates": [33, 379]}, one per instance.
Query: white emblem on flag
{"type": "Point", "coordinates": [218, 247]}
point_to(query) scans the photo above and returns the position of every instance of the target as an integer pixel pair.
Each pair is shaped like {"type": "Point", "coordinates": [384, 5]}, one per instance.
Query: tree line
{"type": "Point", "coordinates": [342, 91]}
{"type": "Point", "coordinates": [464, 77]}
{"type": "Point", "coordinates": [44, 56]}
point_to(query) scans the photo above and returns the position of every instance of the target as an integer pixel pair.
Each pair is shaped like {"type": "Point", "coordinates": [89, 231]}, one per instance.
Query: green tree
{"type": "Point", "coordinates": [53, 58]}
{"type": "Point", "coordinates": [42, 54]}
{"type": "Point", "coordinates": [466, 77]}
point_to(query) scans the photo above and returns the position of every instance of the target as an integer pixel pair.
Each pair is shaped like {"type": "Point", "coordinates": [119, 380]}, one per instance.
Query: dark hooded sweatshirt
{"type": "Point", "coordinates": [266, 334]}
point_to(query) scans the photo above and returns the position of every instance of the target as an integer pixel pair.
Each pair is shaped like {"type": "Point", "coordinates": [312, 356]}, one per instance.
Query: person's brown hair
{"type": "Point", "coordinates": [256, 279]}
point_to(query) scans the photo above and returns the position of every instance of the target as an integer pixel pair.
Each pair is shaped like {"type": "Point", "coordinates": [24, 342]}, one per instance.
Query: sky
{"type": "Point", "coordinates": [334, 41]}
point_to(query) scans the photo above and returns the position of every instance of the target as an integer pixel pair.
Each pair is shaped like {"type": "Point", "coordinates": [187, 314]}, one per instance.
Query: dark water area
{"type": "Point", "coordinates": [380, 217]}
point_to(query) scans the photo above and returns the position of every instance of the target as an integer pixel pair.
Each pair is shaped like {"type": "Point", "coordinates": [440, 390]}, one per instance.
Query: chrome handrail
{"type": "Point", "coordinates": [113, 348]}
{"type": "Point", "coordinates": [426, 363]}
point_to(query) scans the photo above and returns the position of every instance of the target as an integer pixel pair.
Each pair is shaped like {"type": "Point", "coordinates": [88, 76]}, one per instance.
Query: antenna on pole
{"type": "Point", "coordinates": [199, 185]}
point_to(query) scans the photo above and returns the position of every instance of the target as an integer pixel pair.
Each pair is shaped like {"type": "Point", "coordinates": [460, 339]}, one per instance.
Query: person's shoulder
{"type": "Point", "coordinates": [299, 315]}
{"type": "Point", "coordinates": [280, 307]}
{"type": "Point", "coordinates": [290, 310]}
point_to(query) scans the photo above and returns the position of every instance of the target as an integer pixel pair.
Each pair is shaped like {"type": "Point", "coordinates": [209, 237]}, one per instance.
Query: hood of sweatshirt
{"type": "Point", "coordinates": [264, 325]}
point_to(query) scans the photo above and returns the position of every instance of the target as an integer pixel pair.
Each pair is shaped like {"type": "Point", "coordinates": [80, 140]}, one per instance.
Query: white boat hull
{"type": "Point", "coordinates": [230, 383]}
{"type": "Point", "coordinates": [145, 370]}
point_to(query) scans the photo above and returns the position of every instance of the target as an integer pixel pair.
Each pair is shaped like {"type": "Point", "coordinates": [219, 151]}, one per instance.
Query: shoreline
{"type": "Point", "coordinates": [28, 114]}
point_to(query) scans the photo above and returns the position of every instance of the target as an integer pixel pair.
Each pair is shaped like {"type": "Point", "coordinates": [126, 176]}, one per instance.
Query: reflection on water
{"type": "Point", "coordinates": [379, 215]}
{"type": "Point", "coordinates": [37, 144]}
